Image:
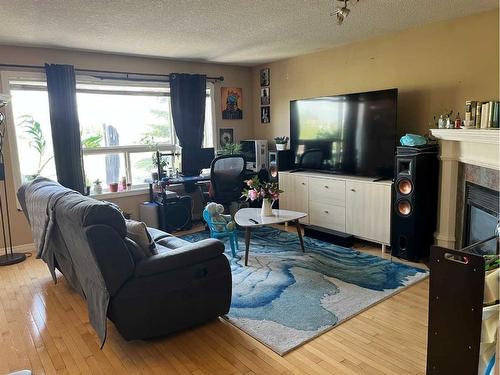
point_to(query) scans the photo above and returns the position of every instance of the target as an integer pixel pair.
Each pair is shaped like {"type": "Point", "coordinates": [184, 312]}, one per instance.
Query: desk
{"type": "Point", "coordinates": [185, 180]}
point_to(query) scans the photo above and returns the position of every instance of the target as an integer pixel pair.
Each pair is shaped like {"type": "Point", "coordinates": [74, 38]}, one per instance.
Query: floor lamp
{"type": "Point", "coordinates": [9, 257]}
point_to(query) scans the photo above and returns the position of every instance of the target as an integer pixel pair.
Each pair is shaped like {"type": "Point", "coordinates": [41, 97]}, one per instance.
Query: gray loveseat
{"type": "Point", "coordinates": [183, 285]}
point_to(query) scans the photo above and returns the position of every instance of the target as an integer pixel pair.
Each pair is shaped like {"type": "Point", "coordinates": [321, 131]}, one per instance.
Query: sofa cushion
{"type": "Point", "coordinates": [138, 232]}
{"type": "Point", "coordinates": [157, 234]}
{"type": "Point", "coordinates": [170, 243]}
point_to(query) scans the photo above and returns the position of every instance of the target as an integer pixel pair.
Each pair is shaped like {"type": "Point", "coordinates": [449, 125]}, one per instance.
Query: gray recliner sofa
{"type": "Point", "coordinates": [144, 296]}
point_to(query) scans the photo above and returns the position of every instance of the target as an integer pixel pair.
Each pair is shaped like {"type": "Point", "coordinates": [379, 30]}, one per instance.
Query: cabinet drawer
{"type": "Point", "coordinates": [322, 190]}
{"type": "Point", "coordinates": [327, 216]}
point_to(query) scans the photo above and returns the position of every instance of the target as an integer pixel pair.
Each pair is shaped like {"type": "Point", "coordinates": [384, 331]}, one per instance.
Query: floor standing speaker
{"type": "Point", "coordinates": [279, 161]}
{"type": "Point", "coordinates": [414, 201]}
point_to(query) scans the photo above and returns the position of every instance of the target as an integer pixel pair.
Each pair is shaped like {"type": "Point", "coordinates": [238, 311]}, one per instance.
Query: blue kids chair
{"type": "Point", "coordinates": [221, 225]}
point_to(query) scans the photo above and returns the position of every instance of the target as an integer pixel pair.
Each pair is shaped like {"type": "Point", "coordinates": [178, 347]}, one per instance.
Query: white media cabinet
{"type": "Point", "coordinates": [355, 205]}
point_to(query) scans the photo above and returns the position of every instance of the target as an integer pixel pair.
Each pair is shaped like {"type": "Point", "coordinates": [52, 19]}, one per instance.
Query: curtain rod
{"type": "Point", "coordinates": [165, 76]}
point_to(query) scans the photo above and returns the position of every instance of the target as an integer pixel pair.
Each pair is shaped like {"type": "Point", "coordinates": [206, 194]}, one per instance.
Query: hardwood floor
{"type": "Point", "coordinates": [45, 328]}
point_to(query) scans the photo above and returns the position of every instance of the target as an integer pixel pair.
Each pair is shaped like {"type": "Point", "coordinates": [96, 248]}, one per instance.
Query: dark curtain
{"type": "Point", "coordinates": [188, 96]}
{"type": "Point", "coordinates": [61, 86]}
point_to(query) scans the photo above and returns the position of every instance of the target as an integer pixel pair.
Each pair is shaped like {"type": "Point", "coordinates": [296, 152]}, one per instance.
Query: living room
{"type": "Point", "coordinates": [334, 277]}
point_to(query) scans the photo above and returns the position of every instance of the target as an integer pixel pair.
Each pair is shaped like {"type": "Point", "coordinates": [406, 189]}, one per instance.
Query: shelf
{"type": "Point", "coordinates": [490, 135]}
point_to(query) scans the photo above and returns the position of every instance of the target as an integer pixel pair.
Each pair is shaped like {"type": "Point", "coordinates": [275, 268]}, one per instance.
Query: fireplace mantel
{"type": "Point", "coordinates": [468, 135]}
{"type": "Point", "coordinates": [479, 147]}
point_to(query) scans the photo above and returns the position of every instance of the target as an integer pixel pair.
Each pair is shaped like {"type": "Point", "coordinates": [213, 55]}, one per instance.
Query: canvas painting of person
{"type": "Point", "coordinates": [232, 103]}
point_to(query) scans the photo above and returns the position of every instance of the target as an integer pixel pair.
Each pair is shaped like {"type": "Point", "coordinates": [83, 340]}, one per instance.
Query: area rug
{"type": "Point", "coordinates": [284, 297]}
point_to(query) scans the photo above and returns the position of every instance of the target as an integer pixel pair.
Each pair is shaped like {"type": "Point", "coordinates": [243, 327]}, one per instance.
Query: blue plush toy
{"type": "Point", "coordinates": [413, 140]}
{"type": "Point", "coordinates": [221, 225]}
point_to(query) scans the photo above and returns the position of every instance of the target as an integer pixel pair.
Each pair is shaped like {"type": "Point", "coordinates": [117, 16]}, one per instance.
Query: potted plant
{"type": "Point", "coordinates": [36, 140]}
{"type": "Point", "coordinates": [98, 186]}
{"type": "Point", "coordinates": [268, 192]}
{"type": "Point", "coordinates": [113, 187]}
{"type": "Point", "coordinates": [230, 149]}
{"type": "Point", "coordinates": [281, 143]}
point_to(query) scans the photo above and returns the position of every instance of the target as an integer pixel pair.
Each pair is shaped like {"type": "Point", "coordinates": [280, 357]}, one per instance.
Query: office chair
{"type": "Point", "coordinates": [227, 175]}
{"type": "Point", "coordinates": [311, 159]}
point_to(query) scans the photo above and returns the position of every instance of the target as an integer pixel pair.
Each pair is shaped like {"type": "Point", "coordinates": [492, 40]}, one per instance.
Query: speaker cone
{"type": "Point", "coordinates": [404, 208]}
{"type": "Point", "coordinates": [405, 186]}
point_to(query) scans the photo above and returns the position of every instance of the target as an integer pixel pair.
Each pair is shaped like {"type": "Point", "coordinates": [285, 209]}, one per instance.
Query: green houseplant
{"type": "Point", "coordinates": [98, 186]}
{"type": "Point", "coordinates": [230, 149]}
{"type": "Point", "coordinates": [281, 142]}
{"type": "Point", "coordinates": [36, 140]}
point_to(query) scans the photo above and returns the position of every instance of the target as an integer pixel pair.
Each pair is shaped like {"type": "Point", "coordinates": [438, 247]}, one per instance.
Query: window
{"type": "Point", "coordinates": [122, 124]}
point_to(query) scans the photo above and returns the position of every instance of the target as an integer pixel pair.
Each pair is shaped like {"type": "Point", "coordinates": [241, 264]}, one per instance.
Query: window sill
{"type": "Point", "coordinates": [119, 194]}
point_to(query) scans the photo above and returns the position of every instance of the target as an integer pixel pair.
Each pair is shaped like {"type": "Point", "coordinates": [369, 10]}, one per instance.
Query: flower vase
{"type": "Point", "coordinates": [267, 208]}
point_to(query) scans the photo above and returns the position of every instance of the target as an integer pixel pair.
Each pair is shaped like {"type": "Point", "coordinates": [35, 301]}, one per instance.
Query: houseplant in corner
{"type": "Point", "coordinates": [268, 192]}
{"type": "Point", "coordinates": [230, 149]}
{"type": "Point", "coordinates": [281, 143]}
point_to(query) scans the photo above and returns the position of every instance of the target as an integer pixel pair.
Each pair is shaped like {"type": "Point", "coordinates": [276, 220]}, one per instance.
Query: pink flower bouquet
{"type": "Point", "coordinates": [257, 190]}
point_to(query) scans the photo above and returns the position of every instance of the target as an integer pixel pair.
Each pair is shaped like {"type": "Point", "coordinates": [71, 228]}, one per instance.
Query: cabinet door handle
{"type": "Point", "coordinates": [326, 211]}
{"type": "Point", "coordinates": [353, 190]}
{"type": "Point", "coordinates": [303, 183]}
{"type": "Point", "coordinates": [326, 186]}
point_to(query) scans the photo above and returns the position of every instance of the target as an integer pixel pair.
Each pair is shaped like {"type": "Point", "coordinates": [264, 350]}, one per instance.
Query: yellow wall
{"type": "Point", "coordinates": [235, 76]}
{"type": "Point", "coordinates": [435, 66]}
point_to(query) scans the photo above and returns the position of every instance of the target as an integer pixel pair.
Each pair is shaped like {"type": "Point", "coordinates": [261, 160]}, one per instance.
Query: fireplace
{"type": "Point", "coordinates": [481, 215]}
{"type": "Point", "coordinates": [471, 155]}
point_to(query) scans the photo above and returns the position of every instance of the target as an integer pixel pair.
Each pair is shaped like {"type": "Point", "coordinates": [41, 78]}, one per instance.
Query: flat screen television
{"type": "Point", "coordinates": [351, 134]}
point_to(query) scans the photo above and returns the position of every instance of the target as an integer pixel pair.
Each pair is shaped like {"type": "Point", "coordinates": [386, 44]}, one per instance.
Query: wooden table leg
{"type": "Point", "coordinates": [299, 232]}
{"type": "Point", "coordinates": [247, 244]}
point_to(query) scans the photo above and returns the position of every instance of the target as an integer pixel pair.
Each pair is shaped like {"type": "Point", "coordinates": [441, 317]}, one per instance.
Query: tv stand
{"type": "Point", "coordinates": [359, 206]}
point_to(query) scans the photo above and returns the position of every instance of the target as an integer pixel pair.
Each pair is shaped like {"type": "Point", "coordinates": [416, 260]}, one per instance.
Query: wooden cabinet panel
{"type": "Point", "coordinates": [301, 201]}
{"type": "Point", "coordinates": [368, 210]}
{"type": "Point", "coordinates": [287, 198]}
{"type": "Point", "coordinates": [327, 191]}
{"type": "Point", "coordinates": [358, 207]}
{"type": "Point", "coordinates": [327, 216]}
{"type": "Point", "coordinates": [295, 194]}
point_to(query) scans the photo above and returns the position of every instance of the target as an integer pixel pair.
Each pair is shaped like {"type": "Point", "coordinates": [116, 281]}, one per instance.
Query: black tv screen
{"type": "Point", "coordinates": [352, 134]}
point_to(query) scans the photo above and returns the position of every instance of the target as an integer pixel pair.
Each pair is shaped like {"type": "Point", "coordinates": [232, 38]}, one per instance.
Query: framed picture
{"type": "Point", "coordinates": [265, 95]}
{"type": "Point", "coordinates": [265, 115]}
{"type": "Point", "coordinates": [232, 103]}
{"type": "Point", "coordinates": [265, 77]}
{"type": "Point", "coordinates": [226, 135]}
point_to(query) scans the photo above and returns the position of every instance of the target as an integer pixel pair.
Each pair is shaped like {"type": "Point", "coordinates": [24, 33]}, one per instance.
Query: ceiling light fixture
{"type": "Point", "coordinates": [341, 12]}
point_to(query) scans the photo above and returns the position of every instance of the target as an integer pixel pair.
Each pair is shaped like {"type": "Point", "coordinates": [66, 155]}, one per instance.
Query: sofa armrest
{"type": "Point", "coordinates": [184, 256]}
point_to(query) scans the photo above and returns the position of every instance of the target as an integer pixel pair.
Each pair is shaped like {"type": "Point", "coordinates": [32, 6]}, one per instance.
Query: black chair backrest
{"type": "Point", "coordinates": [311, 159]}
{"type": "Point", "coordinates": [226, 175]}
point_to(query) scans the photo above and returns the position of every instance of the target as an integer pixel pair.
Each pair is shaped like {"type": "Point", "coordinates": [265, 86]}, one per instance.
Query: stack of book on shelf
{"type": "Point", "coordinates": [481, 115]}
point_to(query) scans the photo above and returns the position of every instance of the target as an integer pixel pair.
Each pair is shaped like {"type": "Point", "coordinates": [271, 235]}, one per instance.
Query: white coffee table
{"type": "Point", "coordinates": [249, 218]}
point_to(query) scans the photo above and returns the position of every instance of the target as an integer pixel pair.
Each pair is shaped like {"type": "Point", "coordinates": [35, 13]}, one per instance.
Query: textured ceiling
{"type": "Point", "coordinates": [225, 31]}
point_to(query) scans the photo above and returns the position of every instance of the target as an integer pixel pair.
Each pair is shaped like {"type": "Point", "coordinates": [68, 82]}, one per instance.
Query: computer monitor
{"type": "Point", "coordinates": [194, 162]}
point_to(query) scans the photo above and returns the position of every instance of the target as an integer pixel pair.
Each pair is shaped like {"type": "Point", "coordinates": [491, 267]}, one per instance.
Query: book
{"type": "Point", "coordinates": [467, 117]}
{"type": "Point", "coordinates": [484, 115]}
{"type": "Point", "coordinates": [496, 119]}
{"type": "Point", "coordinates": [473, 113]}
{"type": "Point", "coordinates": [491, 104]}
{"type": "Point", "coordinates": [478, 114]}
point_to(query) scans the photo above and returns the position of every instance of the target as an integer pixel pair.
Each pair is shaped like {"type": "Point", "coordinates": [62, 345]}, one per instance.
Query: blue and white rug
{"type": "Point", "coordinates": [284, 297]}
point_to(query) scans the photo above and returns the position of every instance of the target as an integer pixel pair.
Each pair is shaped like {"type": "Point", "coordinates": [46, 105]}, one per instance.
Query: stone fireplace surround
{"type": "Point", "coordinates": [485, 177]}
{"type": "Point", "coordinates": [466, 155]}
